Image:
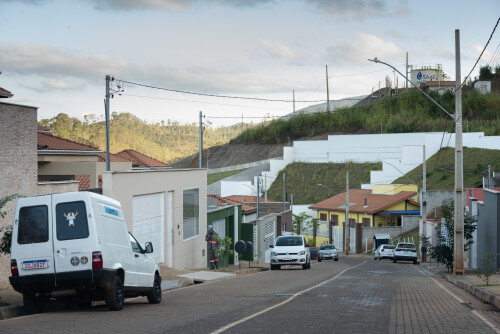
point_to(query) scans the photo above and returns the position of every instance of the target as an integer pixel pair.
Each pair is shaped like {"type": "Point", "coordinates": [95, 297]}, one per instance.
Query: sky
{"type": "Point", "coordinates": [174, 58]}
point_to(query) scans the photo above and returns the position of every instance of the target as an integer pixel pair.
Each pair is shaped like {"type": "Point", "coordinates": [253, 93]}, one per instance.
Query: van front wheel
{"type": "Point", "coordinates": [154, 296]}
{"type": "Point", "coordinates": [115, 298]}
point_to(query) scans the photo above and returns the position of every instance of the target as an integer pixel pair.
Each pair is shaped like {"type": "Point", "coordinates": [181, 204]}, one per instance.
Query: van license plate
{"type": "Point", "coordinates": [36, 264]}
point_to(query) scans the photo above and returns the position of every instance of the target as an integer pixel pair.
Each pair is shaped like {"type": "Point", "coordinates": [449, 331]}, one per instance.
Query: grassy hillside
{"type": "Point", "coordinates": [441, 176]}
{"type": "Point", "coordinates": [409, 111]}
{"type": "Point", "coordinates": [166, 141]}
{"type": "Point", "coordinates": [302, 180]}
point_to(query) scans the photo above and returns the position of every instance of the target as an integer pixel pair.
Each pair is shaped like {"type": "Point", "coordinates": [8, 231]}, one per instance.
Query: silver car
{"type": "Point", "coordinates": [328, 252]}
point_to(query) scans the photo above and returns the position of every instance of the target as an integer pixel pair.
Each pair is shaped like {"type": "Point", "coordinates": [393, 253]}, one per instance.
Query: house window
{"type": "Point", "coordinates": [323, 216]}
{"type": "Point", "coordinates": [191, 213]}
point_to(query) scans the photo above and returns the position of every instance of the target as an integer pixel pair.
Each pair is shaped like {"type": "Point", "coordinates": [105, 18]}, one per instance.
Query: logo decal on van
{"type": "Point", "coordinates": [71, 217]}
{"type": "Point", "coordinates": [111, 211]}
{"type": "Point", "coordinates": [84, 260]}
{"type": "Point", "coordinates": [75, 261]}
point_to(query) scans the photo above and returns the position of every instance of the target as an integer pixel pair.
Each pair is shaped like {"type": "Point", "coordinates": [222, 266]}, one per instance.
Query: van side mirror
{"type": "Point", "coordinates": [149, 247]}
{"type": "Point", "coordinates": [307, 245]}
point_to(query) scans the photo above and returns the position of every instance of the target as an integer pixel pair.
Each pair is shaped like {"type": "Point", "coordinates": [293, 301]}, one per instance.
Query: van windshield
{"type": "Point", "coordinates": [33, 225]}
{"type": "Point", "coordinates": [71, 221]}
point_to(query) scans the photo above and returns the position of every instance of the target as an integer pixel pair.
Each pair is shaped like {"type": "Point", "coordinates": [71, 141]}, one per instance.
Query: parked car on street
{"type": "Point", "coordinates": [290, 250]}
{"type": "Point", "coordinates": [384, 252]}
{"type": "Point", "coordinates": [75, 246]}
{"type": "Point", "coordinates": [328, 252]}
{"type": "Point", "coordinates": [405, 252]}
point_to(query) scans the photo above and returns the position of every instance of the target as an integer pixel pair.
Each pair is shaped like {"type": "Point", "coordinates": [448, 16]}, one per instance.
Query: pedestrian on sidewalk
{"type": "Point", "coordinates": [212, 245]}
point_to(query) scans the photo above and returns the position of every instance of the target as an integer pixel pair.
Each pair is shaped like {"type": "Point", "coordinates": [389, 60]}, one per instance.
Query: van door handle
{"type": "Point", "coordinates": [136, 255]}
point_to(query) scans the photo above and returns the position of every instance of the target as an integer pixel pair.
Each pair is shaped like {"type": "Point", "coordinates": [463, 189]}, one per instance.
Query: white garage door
{"type": "Point", "coordinates": [147, 224]}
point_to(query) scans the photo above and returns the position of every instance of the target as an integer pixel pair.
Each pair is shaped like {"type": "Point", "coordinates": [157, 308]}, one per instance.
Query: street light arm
{"type": "Point", "coordinates": [333, 193]}
{"type": "Point", "coordinates": [375, 60]}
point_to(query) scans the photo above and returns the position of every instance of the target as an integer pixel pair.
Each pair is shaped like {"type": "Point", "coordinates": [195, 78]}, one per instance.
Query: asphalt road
{"type": "Point", "coordinates": [353, 295]}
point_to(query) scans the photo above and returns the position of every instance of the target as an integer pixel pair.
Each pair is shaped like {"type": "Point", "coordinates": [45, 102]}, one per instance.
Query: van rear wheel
{"type": "Point", "coordinates": [33, 303]}
{"type": "Point", "coordinates": [154, 296]}
{"type": "Point", "coordinates": [115, 298]}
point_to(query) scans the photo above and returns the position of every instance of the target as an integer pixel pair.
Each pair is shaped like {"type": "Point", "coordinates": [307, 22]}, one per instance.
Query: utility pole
{"type": "Point", "coordinates": [201, 141]}
{"type": "Point", "coordinates": [489, 177]}
{"type": "Point", "coordinates": [284, 192]}
{"type": "Point", "coordinates": [424, 196]}
{"type": "Point", "coordinates": [258, 192]}
{"type": "Point", "coordinates": [293, 102]}
{"type": "Point", "coordinates": [106, 111]}
{"type": "Point", "coordinates": [458, 251]}
{"type": "Point", "coordinates": [327, 91]}
{"type": "Point", "coordinates": [346, 223]}
{"type": "Point", "coordinates": [406, 70]}
{"type": "Point", "coordinates": [265, 188]}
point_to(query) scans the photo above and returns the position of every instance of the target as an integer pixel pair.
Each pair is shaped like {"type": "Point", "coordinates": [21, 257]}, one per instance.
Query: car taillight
{"type": "Point", "coordinates": [13, 268]}
{"type": "Point", "coordinates": [398, 249]}
{"type": "Point", "coordinates": [96, 260]}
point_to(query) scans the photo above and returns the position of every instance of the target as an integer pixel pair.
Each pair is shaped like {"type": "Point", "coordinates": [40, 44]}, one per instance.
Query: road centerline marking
{"type": "Point", "coordinates": [286, 301]}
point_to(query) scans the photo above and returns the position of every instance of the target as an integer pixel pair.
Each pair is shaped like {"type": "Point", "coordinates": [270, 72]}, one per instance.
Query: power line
{"type": "Point", "coordinates": [489, 39]}
{"type": "Point", "coordinates": [215, 95]}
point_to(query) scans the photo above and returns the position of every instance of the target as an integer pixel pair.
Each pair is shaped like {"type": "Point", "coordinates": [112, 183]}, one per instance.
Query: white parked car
{"type": "Point", "coordinates": [328, 252]}
{"type": "Point", "coordinates": [290, 250]}
{"type": "Point", "coordinates": [384, 252]}
{"type": "Point", "coordinates": [76, 246]}
{"type": "Point", "coordinates": [405, 252]}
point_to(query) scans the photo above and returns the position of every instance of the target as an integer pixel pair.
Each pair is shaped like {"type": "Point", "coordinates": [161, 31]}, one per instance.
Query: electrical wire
{"type": "Point", "coordinates": [477, 61]}
{"type": "Point", "coordinates": [220, 96]}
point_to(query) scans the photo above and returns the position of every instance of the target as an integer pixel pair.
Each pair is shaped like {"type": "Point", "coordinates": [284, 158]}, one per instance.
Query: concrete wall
{"type": "Point", "coordinates": [435, 199]}
{"type": "Point", "coordinates": [399, 153]}
{"type": "Point", "coordinates": [488, 230]}
{"type": "Point", "coordinates": [409, 223]}
{"type": "Point", "coordinates": [18, 165]}
{"type": "Point", "coordinates": [369, 232]}
{"type": "Point", "coordinates": [123, 185]}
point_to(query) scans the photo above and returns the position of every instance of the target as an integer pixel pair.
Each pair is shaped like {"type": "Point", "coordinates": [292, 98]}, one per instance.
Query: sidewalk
{"type": "Point", "coordinates": [471, 283]}
{"type": "Point", "coordinates": [11, 302]}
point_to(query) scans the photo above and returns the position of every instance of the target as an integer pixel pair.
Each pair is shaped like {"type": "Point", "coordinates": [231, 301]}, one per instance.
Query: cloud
{"type": "Point", "coordinates": [51, 85]}
{"type": "Point", "coordinates": [359, 9]}
{"type": "Point", "coordinates": [167, 4]}
{"type": "Point", "coordinates": [364, 47]}
{"type": "Point", "coordinates": [56, 69]}
{"type": "Point", "coordinates": [279, 49]}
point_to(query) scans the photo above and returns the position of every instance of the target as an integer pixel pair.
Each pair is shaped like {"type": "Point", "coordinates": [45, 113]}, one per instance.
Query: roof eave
{"type": "Point", "coordinates": [67, 152]}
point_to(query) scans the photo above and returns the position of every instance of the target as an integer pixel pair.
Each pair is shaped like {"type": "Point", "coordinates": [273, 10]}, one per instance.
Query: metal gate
{"type": "Point", "coordinates": [352, 240]}
{"type": "Point", "coordinates": [220, 227]}
{"type": "Point", "coordinates": [338, 237]}
{"type": "Point", "coordinates": [269, 236]}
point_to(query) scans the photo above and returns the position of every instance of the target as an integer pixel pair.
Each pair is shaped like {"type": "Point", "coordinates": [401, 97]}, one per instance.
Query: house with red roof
{"type": "Point", "coordinates": [140, 160]}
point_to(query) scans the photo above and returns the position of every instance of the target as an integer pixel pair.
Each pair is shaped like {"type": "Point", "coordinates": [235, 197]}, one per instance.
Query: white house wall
{"type": "Point", "coordinates": [124, 185]}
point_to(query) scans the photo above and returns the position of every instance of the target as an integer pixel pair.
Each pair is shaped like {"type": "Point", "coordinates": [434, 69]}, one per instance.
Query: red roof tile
{"type": "Point", "coordinates": [84, 181]}
{"type": "Point", "coordinates": [140, 160]}
{"type": "Point", "coordinates": [375, 202]}
{"type": "Point", "coordinates": [245, 208]}
{"type": "Point", "coordinates": [46, 141]}
{"type": "Point", "coordinates": [4, 93]}
{"type": "Point", "coordinates": [112, 157]}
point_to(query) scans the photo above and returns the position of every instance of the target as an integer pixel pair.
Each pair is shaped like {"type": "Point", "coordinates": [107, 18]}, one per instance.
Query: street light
{"type": "Point", "coordinates": [458, 247]}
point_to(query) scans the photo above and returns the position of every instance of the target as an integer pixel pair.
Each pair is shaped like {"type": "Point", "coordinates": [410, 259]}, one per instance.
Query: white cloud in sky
{"type": "Point", "coordinates": [279, 49]}
{"type": "Point", "coordinates": [359, 9]}
{"type": "Point", "coordinates": [366, 46]}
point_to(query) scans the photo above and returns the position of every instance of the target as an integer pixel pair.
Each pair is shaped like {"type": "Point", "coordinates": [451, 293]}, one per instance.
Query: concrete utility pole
{"type": "Point", "coordinates": [284, 192]}
{"type": "Point", "coordinates": [258, 192]}
{"type": "Point", "coordinates": [327, 91]}
{"type": "Point", "coordinates": [106, 111]}
{"type": "Point", "coordinates": [201, 141]}
{"type": "Point", "coordinates": [346, 223]}
{"type": "Point", "coordinates": [293, 101]}
{"type": "Point", "coordinates": [406, 70]}
{"type": "Point", "coordinates": [458, 251]}
{"type": "Point", "coordinates": [424, 196]}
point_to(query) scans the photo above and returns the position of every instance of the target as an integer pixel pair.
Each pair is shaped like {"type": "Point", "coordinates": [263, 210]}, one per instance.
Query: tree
{"type": "Point", "coordinates": [309, 222]}
{"type": "Point", "coordinates": [6, 239]}
{"type": "Point", "coordinates": [224, 250]}
{"type": "Point", "coordinates": [485, 72]}
{"type": "Point", "coordinates": [443, 252]}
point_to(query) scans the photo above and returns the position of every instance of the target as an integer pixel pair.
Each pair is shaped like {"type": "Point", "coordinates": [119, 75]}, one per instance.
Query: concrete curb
{"type": "Point", "coordinates": [478, 292]}
{"type": "Point", "coordinates": [11, 311]}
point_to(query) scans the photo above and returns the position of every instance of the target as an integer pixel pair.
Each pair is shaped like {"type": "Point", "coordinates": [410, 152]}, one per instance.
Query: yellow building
{"type": "Point", "coordinates": [382, 206]}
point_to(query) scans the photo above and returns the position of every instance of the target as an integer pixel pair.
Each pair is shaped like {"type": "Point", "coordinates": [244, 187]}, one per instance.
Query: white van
{"type": "Point", "coordinates": [76, 246]}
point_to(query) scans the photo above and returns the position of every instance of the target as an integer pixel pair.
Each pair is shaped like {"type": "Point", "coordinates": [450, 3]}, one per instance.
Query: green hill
{"type": "Point", "coordinates": [441, 175]}
{"type": "Point", "coordinates": [302, 180]}
{"type": "Point", "coordinates": [166, 141]}
{"type": "Point", "coordinates": [409, 111]}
